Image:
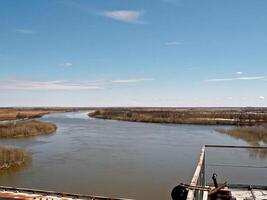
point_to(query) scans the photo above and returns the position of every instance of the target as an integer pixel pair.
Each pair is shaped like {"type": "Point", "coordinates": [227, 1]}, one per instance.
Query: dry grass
{"type": "Point", "coordinates": [253, 135]}
{"type": "Point", "coordinates": [13, 157]}
{"type": "Point", "coordinates": [9, 114]}
{"type": "Point", "coordinates": [29, 113]}
{"type": "Point", "coordinates": [26, 129]}
{"type": "Point", "coordinates": [186, 116]}
{"type": "Point", "coordinates": [12, 114]}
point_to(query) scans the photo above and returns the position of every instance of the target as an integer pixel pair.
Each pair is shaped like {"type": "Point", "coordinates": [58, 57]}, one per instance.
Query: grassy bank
{"type": "Point", "coordinates": [26, 129]}
{"type": "Point", "coordinates": [13, 157]}
{"type": "Point", "coordinates": [29, 113]}
{"type": "Point", "coordinates": [13, 114]}
{"type": "Point", "coordinates": [186, 116]}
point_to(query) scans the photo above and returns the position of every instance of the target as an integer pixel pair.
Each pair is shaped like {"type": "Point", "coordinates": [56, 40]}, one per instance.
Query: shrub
{"type": "Point", "coordinates": [26, 129]}
{"type": "Point", "coordinates": [13, 157]}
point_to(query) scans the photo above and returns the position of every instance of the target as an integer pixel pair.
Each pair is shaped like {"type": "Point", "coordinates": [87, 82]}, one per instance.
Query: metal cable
{"type": "Point", "coordinates": [230, 165]}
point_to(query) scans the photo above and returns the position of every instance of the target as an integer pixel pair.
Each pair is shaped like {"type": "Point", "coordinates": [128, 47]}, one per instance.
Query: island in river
{"type": "Point", "coordinates": [11, 157]}
{"type": "Point", "coordinates": [26, 128]}
{"type": "Point", "coordinates": [18, 124]}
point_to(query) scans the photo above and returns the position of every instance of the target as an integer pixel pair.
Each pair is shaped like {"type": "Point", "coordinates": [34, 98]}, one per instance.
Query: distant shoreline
{"type": "Point", "coordinates": [7, 114]}
{"type": "Point", "coordinates": [200, 116]}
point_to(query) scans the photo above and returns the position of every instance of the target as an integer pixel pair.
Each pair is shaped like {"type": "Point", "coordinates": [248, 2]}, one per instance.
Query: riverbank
{"type": "Point", "coordinates": [11, 157]}
{"type": "Point", "coordinates": [202, 116]}
{"type": "Point", "coordinates": [26, 129]}
{"type": "Point", "coordinates": [28, 113]}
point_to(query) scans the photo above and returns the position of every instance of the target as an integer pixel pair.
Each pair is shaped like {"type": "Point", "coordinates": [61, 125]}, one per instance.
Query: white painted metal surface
{"type": "Point", "coordinates": [243, 194]}
{"type": "Point", "coordinates": [239, 192]}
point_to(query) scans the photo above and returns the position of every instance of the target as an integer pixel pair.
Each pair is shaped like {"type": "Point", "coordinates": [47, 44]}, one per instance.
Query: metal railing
{"type": "Point", "coordinates": [199, 175]}
{"type": "Point", "coordinates": [198, 178]}
{"type": "Point", "coordinates": [25, 193]}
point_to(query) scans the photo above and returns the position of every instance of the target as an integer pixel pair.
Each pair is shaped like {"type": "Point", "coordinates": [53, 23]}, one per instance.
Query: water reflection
{"type": "Point", "coordinates": [254, 136]}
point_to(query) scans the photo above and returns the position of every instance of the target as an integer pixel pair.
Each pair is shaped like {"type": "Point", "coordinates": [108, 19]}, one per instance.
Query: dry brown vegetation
{"type": "Point", "coordinates": [26, 129]}
{"type": "Point", "coordinates": [29, 113]}
{"type": "Point", "coordinates": [186, 116]}
{"type": "Point", "coordinates": [11, 157]}
{"type": "Point", "coordinates": [6, 114]}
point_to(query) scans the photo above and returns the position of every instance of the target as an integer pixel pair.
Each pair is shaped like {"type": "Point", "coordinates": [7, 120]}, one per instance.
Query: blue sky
{"type": "Point", "coordinates": [133, 53]}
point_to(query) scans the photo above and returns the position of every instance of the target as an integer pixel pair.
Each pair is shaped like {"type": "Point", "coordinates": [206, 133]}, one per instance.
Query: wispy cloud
{"type": "Point", "coordinates": [220, 79]}
{"type": "Point", "coordinates": [130, 16]}
{"type": "Point", "coordinates": [44, 85]}
{"type": "Point", "coordinates": [172, 43]}
{"type": "Point", "coordinates": [261, 97]}
{"type": "Point", "coordinates": [239, 73]}
{"type": "Point", "coordinates": [24, 31]}
{"type": "Point", "coordinates": [236, 79]}
{"type": "Point", "coordinates": [63, 85]}
{"type": "Point", "coordinates": [251, 78]}
{"type": "Point", "coordinates": [67, 64]}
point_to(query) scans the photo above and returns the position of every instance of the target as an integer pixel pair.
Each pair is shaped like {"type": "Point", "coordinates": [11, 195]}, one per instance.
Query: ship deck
{"type": "Point", "coordinates": [8, 193]}
{"type": "Point", "coordinates": [238, 191]}
{"type": "Point", "coordinates": [247, 192]}
{"type": "Point", "coordinates": [257, 194]}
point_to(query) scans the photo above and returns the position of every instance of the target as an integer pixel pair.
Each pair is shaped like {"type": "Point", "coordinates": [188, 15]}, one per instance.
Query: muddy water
{"type": "Point", "coordinates": [125, 159]}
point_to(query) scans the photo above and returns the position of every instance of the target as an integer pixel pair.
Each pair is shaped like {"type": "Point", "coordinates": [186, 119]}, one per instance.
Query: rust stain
{"type": "Point", "coordinates": [27, 194]}
{"type": "Point", "coordinates": [18, 195]}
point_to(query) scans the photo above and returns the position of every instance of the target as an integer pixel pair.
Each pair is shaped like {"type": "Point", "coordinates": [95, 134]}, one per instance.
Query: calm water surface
{"type": "Point", "coordinates": [124, 159]}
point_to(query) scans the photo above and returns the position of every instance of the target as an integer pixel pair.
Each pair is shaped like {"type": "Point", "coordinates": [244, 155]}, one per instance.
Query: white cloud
{"type": "Point", "coordinates": [236, 79]}
{"type": "Point", "coordinates": [220, 79]}
{"type": "Point", "coordinates": [67, 64]}
{"type": "Point", "coordinates": [24, 31]}
{"type": "Point", "coordinates": [261, 97]}
{"type": "Point", "coordinates": [44, 85]}
{"type": "Point", "coordinates": [172, 43]}
{"type": "Point", "coordinates": [131, 16]}
{"type": "Point", "coordinates": [251, 78]}
{"type": "Point", "coordinates": [239, 73]}
{"type": "Point", "coordinates": [62, 85]}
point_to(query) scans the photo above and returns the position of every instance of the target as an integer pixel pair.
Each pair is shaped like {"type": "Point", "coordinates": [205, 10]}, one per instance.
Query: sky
{"type": "Point", "coordinates": [133, 53]}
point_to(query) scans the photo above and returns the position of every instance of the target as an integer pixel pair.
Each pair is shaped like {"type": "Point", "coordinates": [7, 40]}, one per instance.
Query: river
{"type": "Point", "coordinates": [123, 159]}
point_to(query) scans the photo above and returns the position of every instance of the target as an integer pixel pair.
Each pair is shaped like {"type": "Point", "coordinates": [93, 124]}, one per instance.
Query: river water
{"type": "Point", "coordinates": [125, 159]}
